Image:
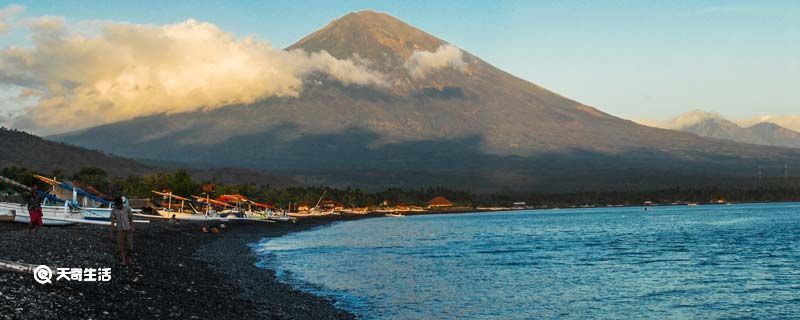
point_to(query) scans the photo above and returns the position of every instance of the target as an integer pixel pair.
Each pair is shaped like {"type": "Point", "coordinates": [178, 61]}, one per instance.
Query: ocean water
{"type": "Point", "coordinates": [704, 262]}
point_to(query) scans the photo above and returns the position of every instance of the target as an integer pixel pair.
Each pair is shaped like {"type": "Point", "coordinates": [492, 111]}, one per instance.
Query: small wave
{"type": "Point", "coordinates": [661, 260]}
{"type": "Point", "coordinates": [516, 264]}
{"type": "Point", "coordinates": [731, 221]}
{"type": "Point", "coordinates": [503, 251]}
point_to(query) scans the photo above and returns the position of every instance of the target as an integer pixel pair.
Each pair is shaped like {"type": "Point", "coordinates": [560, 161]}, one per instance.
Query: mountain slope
{"type": "Point", "coordinates": [715, 126]}
{"type": "Point", "coordinates": [466, 124]}
{"type": "Point", "coordinates": [21, 149]}
{"type": "Point", "coordinates": [25, 150]}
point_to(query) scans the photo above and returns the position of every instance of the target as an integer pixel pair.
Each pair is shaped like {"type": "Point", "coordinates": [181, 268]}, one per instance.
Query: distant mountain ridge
{"type": "Point", "coordinates": [25, 150]}
{"type": "Point", "coordinates": [713, 125]}
{"type": "Point", "coordinates": [464, 124]}
{"type": "Point", "coordinates": [22, 149]}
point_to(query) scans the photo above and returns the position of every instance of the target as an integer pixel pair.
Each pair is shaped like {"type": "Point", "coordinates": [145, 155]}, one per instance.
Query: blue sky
{"type": "Point", "coordinates": [634, 59]}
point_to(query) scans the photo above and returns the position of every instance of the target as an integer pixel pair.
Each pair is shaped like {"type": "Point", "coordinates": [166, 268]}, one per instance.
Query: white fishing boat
{"type": "Point", "coordinates": [51, 215]}
{"type": "Point", "coordinates": [179, 210]}
{"type": "Point", "coordinates": [280, 216]}
{"type": "Point", "coordinates": [395, 215]}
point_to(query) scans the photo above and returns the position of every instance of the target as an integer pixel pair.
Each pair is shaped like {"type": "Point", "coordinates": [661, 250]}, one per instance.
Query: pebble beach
{"type": "Point", "coordinates": [178, 273]}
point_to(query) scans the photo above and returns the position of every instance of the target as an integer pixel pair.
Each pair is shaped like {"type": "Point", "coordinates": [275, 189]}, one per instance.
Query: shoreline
{"type": "Point", "coordinates": [179, 273]}
{"type": "Point", "coordinates": [234, 257]}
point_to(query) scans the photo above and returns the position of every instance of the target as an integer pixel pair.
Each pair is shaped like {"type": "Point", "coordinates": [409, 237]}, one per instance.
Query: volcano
{"type": "Point", "coordinates": [444, 118]}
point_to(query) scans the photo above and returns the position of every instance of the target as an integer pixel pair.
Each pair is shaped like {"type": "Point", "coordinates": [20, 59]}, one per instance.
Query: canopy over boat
{"type": "Point", "coordinates": [65, 190]}
{"type": "Point", "coordinates": [203, 200]}
{"type": "Point", "coordinates": [18, 185]}
{"type": "Point", "coordinates": [169, 196]}
{"type": "Point", "coordinates": [240, 199]}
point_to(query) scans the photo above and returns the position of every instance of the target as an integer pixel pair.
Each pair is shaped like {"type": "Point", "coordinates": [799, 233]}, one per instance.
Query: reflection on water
{"type": "Point", "coordinates": [668, 262]}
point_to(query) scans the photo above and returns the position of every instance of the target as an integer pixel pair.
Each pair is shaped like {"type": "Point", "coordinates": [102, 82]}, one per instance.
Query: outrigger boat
{"type": "Point", "coordinates": [178, 212]}
{"type": "Point", "coordinates": [15, 212]}
{"type": "Point", "coordinates": [253, 210]}
{"type": "Point", "coordinates": [94, 205]}
{"type": "Point", "coordinates": [229, 211]}
{"type": "Point", "coordinates": [190, 214]}
{"type": "Point", "coordinates": [52, 215]}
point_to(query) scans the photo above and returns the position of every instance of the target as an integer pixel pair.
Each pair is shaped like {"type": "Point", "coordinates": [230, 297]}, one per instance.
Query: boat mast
{"type": "Point", "coordinates": [320, 199]}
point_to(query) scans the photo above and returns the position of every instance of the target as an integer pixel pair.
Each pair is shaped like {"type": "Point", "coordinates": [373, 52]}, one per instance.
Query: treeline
{"type": "Point", "coordinates": [181, 183]}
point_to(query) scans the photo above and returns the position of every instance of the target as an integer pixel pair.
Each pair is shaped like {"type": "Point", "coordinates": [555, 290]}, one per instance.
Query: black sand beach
{"type": "Point", "coordinates": [179, 273]}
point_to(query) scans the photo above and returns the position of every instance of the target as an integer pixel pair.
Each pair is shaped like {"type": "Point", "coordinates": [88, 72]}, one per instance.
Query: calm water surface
{"type": "Point", "coordinates": [736, 261]}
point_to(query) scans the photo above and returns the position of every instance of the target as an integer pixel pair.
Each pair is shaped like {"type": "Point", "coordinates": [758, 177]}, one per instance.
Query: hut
{"type": "Point", "coordinates": [440, 202]}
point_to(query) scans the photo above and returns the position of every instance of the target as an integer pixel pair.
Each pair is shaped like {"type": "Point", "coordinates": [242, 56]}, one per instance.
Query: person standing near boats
{"type": "Point", "coordinates": [122, 220]}
{"type": "Point", "coordinates": [34, 210]}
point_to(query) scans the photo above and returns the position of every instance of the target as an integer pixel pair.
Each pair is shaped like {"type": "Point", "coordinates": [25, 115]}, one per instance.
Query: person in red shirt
{"type": "Point", "coordinates": [34, 210]}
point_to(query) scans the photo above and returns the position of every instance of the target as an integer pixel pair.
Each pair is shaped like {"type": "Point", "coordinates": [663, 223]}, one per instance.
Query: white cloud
{"type": "Point", "coordinates": [7, 14]}
{"type": "Point", "coordinates": [118, 71]}
{"type": "Point", "coordinates": [691, 118]}
{"type": "Point", "coordinates": [422, 63]}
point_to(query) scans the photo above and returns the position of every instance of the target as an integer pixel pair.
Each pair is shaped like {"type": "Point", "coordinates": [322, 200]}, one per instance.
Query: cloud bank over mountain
{"type": "Point", "coordinates": [98, 72]}
{"type": "Point", "coordinates": [421, 62]}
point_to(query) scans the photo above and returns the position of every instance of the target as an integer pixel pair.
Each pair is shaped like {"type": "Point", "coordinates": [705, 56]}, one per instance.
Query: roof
{"type": "Point", "coordinates": [232, 198]}
{"type": "Point", "coordinates": [238, 198]}
{"type": "Point", "coordinates": [211, 201]}
{"type": "Point", "coordinates": [91, 190]}
{"type": "Point", "coordinates": [440, 201]}
{"type": "Point", "coordinates": [170, 195]}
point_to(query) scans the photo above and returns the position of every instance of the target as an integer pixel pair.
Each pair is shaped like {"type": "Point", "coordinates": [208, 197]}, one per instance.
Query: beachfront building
{"type": "Point", "coordinates": [331, 205]}
{"type": "Point", "coordinates": [303, 207]}
{"type": "Point", "coordinates": [439, 202]}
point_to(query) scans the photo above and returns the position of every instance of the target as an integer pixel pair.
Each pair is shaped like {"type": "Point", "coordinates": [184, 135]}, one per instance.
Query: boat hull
{"type": "Point", "coordinates": [188, 216]}
{"type": "Point", "coordinates": [101, 214]}
{"type": "Point", "coordinates": [21, 215]}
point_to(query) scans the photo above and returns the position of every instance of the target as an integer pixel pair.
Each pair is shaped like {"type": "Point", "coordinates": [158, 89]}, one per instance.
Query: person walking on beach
{"type": "Point", "coordinates": [122, 220]}
{"type": "Point", "coordinates": [34, 210]}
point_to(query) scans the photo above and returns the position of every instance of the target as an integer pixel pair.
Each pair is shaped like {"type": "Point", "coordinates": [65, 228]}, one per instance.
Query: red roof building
{"type": "Point", "coordinates": [440, 202]}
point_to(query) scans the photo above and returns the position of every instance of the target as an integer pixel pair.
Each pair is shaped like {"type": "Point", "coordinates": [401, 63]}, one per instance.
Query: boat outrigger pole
{"type": "Point", "coordinates": [320, 199]}
{"type": "Point", "coordinates": [14, 183]}
{"type": "Point", "coordinates": [27, 188]}
{"type": "Point", "coordinates": [171, 196]}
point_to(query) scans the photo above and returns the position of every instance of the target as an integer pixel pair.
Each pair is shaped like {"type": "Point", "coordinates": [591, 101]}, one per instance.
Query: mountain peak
{"type": "Point", "coordinates": [368, 14]}
{"type": "Point", "coordinates": [714, 125]}
{"type": "Point", "coordinates": [375, 36]}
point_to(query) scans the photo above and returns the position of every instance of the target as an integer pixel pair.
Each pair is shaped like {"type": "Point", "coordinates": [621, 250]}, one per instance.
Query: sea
{"type": "Point", "coordinates": [668, 262]}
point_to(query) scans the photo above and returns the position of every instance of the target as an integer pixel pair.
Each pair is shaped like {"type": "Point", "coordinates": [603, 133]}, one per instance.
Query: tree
{"type": "Point", "coordinates": [93, 176]}
{"type": "Point", "coordinates": [181, 183]}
